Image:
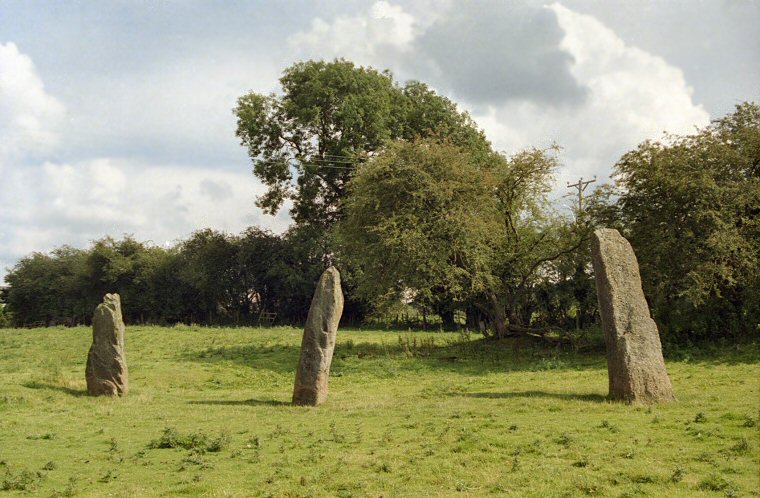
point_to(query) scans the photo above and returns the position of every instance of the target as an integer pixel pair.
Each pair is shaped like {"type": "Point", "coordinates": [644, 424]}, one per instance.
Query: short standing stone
{"type": "Point", "coordinates": [318, 342]}
{"type": "Point", "coordinates": [106, 362]}
{"type": "Point", "coordinates": [634, 355]}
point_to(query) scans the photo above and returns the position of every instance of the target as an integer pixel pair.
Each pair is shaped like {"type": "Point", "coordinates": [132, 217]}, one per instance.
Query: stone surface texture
{"type": "Point", "coordinates": [318, 342]}
{"type": "Point", "coordinates": [106, 371]}
{"type": "Point", "coordinates": [634, 354]}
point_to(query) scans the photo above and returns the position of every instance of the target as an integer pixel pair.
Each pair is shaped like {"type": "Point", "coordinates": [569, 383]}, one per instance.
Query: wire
{"type": "Point", "coordinates": [321, 163]}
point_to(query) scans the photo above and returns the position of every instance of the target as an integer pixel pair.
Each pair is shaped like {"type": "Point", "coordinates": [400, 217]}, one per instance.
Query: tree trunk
{"type": "Point", "coordinates": [471, 317]}
{"type": "Point", "coordinates": [497, 315]}
{"type": "Point", "coordinates": [447, 319]}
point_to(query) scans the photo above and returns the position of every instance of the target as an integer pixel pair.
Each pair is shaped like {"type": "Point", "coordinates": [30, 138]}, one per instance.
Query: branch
{"type": "Point", "coordinates": [541, 261]}
{"type": "Point", "coordinates": [295, 144]}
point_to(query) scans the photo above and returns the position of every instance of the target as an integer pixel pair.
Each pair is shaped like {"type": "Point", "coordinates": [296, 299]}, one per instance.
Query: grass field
{"type": "Point", "coordinates": [409, 414]}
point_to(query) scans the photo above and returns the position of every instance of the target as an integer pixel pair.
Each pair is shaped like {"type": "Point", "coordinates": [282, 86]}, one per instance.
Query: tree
{"type": "Point", "coordinates": [208, 268]}
{"type": "Point", "coordinates": [418, 218]}
{"type": "Point", "coordinates": [332, 116]}
{"type": "Point", "coordinates": [49, 288]}
{"type": "Point", "coordinates": [690, 206]}
{"type": "Point", "coordinates": [426, 218]}
{"type": "Point", "coordinates": [5, 316]}
{"type": "Point", "coordinates": [258, 252]}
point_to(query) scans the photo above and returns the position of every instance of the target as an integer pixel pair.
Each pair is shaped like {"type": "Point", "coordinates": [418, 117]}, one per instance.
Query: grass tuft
{"type": "Point", "coordinates": [198, 442]}
{"type": "Point", "coordinates": [714, 482]}
{"type": "Point", "coordinates": [24, 480]}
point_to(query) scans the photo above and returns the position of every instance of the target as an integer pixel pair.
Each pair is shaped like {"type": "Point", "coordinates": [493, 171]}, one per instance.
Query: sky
{"type": "Point", "coordinates": [116, 117]}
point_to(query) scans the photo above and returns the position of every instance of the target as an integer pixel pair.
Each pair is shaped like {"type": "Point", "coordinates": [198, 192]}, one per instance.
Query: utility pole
{"type": "Point", "coordinates": [581, 186]}
{"type": "Point", "coordinates": [579, 271]}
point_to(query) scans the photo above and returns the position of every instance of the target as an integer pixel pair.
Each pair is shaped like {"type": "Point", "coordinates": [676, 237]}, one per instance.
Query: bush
{"type": "Point", "coordinates": [5, 317]}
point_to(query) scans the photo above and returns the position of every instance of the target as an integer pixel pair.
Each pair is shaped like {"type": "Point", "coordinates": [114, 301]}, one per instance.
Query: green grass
{"type": "Point", "coordinates": [410, 414]}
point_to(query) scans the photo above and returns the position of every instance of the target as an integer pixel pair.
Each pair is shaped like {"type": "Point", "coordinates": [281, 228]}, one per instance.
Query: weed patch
{"type": "Point", "coordinates": [198, 442]}
{"type": "Point", "coordinates": [714, 482]}
{"type": "Point", "coordinates": [677, 475]}
{"type": "Point", "coordinates": [45, 436]}
{"type": "Point", "coordinates": [23, 480]}
{"type": "Point", "coordinates": [608, 426]}
{"type": "Point", "coordinates": [741, 447]}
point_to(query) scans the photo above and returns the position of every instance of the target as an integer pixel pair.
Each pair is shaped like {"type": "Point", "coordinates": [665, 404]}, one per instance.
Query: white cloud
{"type": "Point", "coordinates": [495, 51]}
{"type": "Point", "coordinates": [632, 96]}
{"type": "Point", "coordinates": [362, 38]}
{"type": "Point", "coordinates": [56, 204]}
{"type": "Point", "coordinates": [651, 95]}
{"type": "Point", "coordinates": [182, 111]}
{"type": "Point", "coordinates": [624, 94]}
{"type": "Point", "coordinates": [29, 116]}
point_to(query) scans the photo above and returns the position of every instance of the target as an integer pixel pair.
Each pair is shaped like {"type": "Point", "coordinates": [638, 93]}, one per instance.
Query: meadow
{"type": "Point", "coordinates": [409, 414]}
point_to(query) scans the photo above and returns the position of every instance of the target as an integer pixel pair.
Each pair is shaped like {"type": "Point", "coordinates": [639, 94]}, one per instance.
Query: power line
{"type": "Point", "coordinates": [321, 163]}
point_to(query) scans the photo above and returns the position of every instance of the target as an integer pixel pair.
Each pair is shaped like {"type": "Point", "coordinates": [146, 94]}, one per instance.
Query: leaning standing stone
{"type": "Point", "coordinates": [318, 341]}
{"type": "Point", "coordinates": [106, 363]}
{"type": "Point", "coordinates": [634, 355]}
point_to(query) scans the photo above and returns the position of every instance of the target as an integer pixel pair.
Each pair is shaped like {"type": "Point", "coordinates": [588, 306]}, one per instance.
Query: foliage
{"type": "Point", "coordinates": [212, 277]}
{"type": "Point", "coordinates": [417, 219]}
{"type": "Point", "coordinates": [537, 239]}
{"type": "Point", "coordinates": [446, 416]}
{"type": "Point", "coordinates": [5, 316]}
{"type": "Point", "coordinates": [330, 117]}
{"type": "Point", "coordinates": [197, 442]}
{"type": "Point", "coordinates": [690, 205]}
{"type": "Point", "coordinates": [47, 288]}
{"type": "Point", "coordinates": [208, 268]}
{"type": "Point", "coordinates": [434, 221]}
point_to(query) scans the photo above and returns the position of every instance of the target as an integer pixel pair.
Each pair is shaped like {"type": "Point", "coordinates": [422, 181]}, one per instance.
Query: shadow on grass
{"type": "Point", "coordinates": [591, 397]}
{"type": "Point", "coordinates": [242, 402]}
{"type": "Point", "coordinates": [278, 358]}
{"type": "Point", "coordinates": [471, 357]}
{"type": "Point", "coordinates": [410, 352]}
{"type": "Point", "coordinates": [67, 390]}
{"type": "Point", "coordinates": [739, 353]}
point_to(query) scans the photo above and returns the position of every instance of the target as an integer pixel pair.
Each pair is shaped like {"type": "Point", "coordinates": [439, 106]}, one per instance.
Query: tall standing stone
{"type": "Point", "coordinates": [106, 363]}
{"type": "Point", "coordinates": [634, 354]}
{"type": "Point", "coordinates": [318, 342]}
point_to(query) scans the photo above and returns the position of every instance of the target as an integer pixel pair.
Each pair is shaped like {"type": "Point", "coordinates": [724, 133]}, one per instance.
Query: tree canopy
{"type": "Point", "coordinates": [690, 206]}
{"type": "Point", "coordinates": [434, 220]}
{"type": "Point", "coordinates": [420, 217]}
{"type": "Point", "coordinates": [330, 117]}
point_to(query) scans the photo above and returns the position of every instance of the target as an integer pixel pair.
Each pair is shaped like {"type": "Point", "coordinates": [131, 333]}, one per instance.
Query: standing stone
{"type": "Point", "coordinates": [318, 342]}
{"type": "Point", "coordinates": [106, 363]}
{"type": "Point", "coordinates": [634, 355]}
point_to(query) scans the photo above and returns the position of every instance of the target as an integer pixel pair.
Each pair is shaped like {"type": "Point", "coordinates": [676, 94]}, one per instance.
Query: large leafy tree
{"type": "Point", "coordinates": [419, 219]}
{"type": "Point", "coordinates": [330, 117]}
{"type": "Point", "coordinates": [426, 218]}
{"type": "Point", "coordinates": [537, 239]}
{"type": "Point", "coordinates": [690, 206]}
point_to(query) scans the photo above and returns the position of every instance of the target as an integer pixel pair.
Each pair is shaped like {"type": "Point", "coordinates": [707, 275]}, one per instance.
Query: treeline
{"type": "Point", "coordinates": [216, 278]}
{"type": "Point", "coordinates": [210, 278]}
